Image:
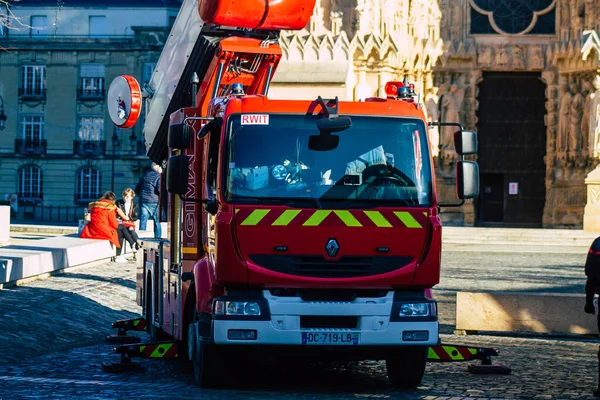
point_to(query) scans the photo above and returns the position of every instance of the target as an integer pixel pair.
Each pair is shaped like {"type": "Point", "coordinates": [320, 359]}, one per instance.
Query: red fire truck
{"type": "Point", "coordinates": [307, 225]}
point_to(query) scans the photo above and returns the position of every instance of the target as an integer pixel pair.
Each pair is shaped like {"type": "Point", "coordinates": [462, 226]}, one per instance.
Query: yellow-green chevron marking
{"type": "Point", "coordinates": [285, 218]}
{"type": "Point", "coordinates": [255, 217]}
{"type": "Point", "coordinates": [378, 219]}
{"type": "Point", "coordinates": [317, 218]}
{"type": "Point", "coordinates": [407, 219]}
{"type": "Point", "coordinates": [347, 218]}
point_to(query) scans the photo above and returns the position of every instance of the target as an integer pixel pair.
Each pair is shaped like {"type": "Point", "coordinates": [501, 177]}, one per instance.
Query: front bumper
{"type": "Point", "coordinates": [374, 327]}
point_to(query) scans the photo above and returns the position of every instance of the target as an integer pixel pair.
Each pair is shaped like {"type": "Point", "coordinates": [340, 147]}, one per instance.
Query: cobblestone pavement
{"type": "Point", "coordinates": [52, 344]}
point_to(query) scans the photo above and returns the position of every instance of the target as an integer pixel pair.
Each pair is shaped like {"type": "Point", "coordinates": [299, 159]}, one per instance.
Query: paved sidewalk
{"type": "Point", "coordinates": [72, 309]}
{"type": "Point", "coordinates": [52, 340]}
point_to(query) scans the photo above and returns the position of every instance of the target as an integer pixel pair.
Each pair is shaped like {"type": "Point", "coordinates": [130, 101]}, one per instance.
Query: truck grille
{"type": "Point", "coordinates": [329, 295]}
{"type": "Point", "coordinates": [318, 266]}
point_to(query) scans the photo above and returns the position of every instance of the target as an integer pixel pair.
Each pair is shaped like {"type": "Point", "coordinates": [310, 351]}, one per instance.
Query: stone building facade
{"type": "Point", "coordinates": [525, 79]}
{"type": "Point", "coordinates": [59, 149]}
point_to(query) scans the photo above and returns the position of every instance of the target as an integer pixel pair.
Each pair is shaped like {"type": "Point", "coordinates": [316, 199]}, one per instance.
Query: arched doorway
{"type": "Point", "coordinates": [512, 146]}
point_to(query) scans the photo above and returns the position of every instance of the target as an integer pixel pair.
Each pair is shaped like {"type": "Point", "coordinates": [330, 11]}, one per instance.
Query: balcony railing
{"type": "Point", "coordinates": [90, 94]}
{"type": "Point", "coordinates": [89, 148]}
{"type": "Point", "coordinates": [27, 147]}
{"type": "Point", "coordinates": [32, 94]}
{"type": "Point", "coordinates": [30, 198]}
{"type": "Point", "coordinates": [38, 212]}
{"type": "Point", "coordinates": [84, 199]}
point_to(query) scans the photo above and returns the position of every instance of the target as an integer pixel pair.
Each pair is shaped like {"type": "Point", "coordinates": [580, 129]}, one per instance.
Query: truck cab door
{"type": "Point", "coordinates": [210, 185]}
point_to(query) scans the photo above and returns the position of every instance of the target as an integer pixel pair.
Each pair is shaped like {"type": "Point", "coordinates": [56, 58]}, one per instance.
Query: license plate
{"type": "Point", "coordinates": [334, 338]}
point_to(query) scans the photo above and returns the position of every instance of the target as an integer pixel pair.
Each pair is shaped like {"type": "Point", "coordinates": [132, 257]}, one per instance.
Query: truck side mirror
{"type": "Point", "coordinates": [465, 142]}
{"type": "Point", "coordinates": [180, 136]}
{"type": "Point", "coordinates": [211, 207]}
{"type": "Point", "coordinates": [177, 174]}
{"type": "Point", "coordinates": [211, 126]}
{"type": "Point", "coordinates": [467, 179]}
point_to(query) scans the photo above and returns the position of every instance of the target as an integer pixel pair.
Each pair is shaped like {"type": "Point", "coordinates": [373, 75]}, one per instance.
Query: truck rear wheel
{"type": "Point", "coordinates": [406, 367]}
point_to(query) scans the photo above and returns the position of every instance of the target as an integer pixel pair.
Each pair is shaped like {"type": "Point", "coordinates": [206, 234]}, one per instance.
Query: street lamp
{"type": "Point", "coordinates": [115, 143]}
{"type": "Point", "coordinates": [2, 115]}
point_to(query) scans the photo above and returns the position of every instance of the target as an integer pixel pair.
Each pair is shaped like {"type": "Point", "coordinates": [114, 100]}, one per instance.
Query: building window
{"type": "Point", "coordinates": [97, 26]}
{"type": "Point", "coordinates": [91, 80]}
{"type": "Point", "coordinates": [90, 137]}
{"type": "Point", "coordinates": [32, 128]}
{"type": "Point", "coordinates": [31, 140]}
{"type": "Point", "coordinates": [91, 128]}
{"type": "Point", "coordinates": [39, 25]}
{"type": "Point", "coordinates": [30, 183]}
{"type": "Point", "coordinates": [33, 80]}
{"type": "Point", "coordinates": [89, 184]}
{"type": "Point", "coordinates": [513, 17]}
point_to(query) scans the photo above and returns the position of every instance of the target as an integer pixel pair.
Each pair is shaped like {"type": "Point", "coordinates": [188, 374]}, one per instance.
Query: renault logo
{"type": "Point", "coordinates": [332, 247]}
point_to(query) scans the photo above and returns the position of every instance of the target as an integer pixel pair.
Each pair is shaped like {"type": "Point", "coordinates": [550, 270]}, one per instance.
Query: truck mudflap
{"type": "Point", "coordinates": [450, 353]}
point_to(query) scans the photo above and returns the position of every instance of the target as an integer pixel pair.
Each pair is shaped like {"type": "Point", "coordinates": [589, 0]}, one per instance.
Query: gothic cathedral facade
{"type": "Point", "coordinates": [525, 77]}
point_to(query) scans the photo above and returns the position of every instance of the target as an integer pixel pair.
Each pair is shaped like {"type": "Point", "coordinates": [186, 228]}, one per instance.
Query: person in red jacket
{"type": "Point", "coordinates": [103, 220]}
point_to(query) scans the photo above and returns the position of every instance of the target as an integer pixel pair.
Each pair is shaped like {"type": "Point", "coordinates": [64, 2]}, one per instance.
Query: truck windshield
{"type": "Point", "coordinates": [379, 161]}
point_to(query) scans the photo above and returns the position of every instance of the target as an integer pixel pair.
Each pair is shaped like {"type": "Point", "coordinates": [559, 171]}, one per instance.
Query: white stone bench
{"type": "Point", "coordinates": [523, 312]}
{"type": "Point", "coordinates": [34, 258]}
{"type": "Point", "coordinates": [4, 225]}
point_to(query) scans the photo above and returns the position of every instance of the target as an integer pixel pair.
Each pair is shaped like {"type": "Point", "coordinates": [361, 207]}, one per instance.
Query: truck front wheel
{"type": "Point", "coordinates": [203, 357]}
{"type": "Point", "coordinates": [406, 367]}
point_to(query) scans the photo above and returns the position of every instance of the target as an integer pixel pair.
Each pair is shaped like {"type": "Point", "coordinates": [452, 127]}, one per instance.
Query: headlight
{"type": "Point", "coordinates": [236, 308]}
{"type": "Point", "coordinates": [418, 310]}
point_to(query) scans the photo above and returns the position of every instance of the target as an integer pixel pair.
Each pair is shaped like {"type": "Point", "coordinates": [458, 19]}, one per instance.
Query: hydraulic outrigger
{"type": "Point", "coordinates": [170, 350]}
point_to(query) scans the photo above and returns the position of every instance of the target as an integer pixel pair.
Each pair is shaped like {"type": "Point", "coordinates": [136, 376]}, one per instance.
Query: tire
{"type": "Point", "coordinates": [406, 367]}
{"type": "Point", "coordinates": [205, 362]}
{"type": "Point", "coordinates": [187, 346]}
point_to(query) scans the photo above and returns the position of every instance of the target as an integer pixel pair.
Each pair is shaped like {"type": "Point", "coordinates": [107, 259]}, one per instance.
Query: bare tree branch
{"type": "Point", "coordinates": [8, 20]}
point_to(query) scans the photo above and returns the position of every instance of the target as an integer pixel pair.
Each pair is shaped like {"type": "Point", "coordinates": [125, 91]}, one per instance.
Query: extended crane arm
{"type": "Point", "coordinates": [196, 43]}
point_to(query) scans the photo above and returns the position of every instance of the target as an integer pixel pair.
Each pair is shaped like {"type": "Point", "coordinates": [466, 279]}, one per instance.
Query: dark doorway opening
{"type": "Point", "coordinates": [512, 146]}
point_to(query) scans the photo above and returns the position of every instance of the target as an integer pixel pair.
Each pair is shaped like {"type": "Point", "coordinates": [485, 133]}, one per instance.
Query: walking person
{"type": "Point", "coordinates": [148, 190]}
{"type": "Point", "coordinates": [592, 286]}
{"type": "Point", "coordinates": [126, 228]}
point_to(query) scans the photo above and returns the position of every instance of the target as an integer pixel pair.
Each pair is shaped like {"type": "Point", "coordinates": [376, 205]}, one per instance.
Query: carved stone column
{"type": "Point", "coordinates": [550, 78]}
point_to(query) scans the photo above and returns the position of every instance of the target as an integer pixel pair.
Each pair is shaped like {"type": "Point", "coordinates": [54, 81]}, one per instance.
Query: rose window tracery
{"type": "Point", "coordinates": [513, 17]}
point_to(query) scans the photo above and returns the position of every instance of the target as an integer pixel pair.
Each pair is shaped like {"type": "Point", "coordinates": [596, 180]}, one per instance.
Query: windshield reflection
{"type": "Point", "coordinates": [379, 161]}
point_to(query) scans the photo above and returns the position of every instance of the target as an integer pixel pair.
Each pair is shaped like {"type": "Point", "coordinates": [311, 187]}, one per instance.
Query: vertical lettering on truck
{"type": "Point", "coordinates": [189, 237]}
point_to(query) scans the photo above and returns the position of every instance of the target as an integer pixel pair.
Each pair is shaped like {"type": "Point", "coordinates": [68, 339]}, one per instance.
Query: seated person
{"type": "Point", "coordinates": [103, 220]}
{"type": "Point", "coordinates": [379, 178]}
{"type": "Point", "coordinates": [126, 228]}
{"type": "Point", "coordinates": [375, 156]}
